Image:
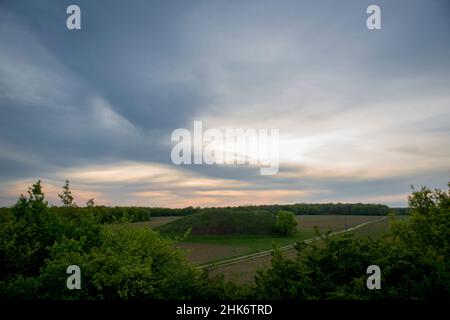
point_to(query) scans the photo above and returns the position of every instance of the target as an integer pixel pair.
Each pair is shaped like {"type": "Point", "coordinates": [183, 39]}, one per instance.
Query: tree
{"type": "Point", "coordinates": [127, 264]}
{"type": "Point", "coordinates": [25, 237]}
{"type": "Point", "coordinates": [286, 222]}
{"type": "Point", "coordinates": [66, 196]}
{"type": "Point", "coordinates": [90, 203]}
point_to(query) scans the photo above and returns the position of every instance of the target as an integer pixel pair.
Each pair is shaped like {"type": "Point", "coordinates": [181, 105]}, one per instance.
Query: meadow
{"type": "Point", "coordinates": [244, 272]}
{"type": "Point", "coordinates": [202, 249]}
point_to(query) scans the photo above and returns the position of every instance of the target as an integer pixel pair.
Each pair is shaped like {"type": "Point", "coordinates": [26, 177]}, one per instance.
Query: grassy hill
{"type": "Point", "coordinates": [223, 222]}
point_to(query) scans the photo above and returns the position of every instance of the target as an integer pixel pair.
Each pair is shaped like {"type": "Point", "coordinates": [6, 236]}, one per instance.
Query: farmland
{"type": "Point", "coordinates": [203, 249]}
{"type": "Point", "coordinates": [244, 272]}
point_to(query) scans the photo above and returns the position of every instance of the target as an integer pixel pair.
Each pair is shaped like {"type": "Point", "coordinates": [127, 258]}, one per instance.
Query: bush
{"type": "Point", "coordinates": [286, 223]}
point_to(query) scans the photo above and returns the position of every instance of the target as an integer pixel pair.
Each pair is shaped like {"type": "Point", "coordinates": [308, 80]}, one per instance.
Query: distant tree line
{"type": "Point", "coordinates": [134, 214]}
{"type": "Point", "coordinates": [113, 214]}
{"type": "Point", "coordinates": [360, 209]}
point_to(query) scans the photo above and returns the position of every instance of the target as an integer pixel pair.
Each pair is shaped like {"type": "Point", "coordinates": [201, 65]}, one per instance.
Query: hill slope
{"type": "Point", "coordinates": [223, 222]}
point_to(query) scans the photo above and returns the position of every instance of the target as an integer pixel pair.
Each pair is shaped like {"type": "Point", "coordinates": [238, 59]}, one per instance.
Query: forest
{"type": "Point", "coordinates": [107, 214]}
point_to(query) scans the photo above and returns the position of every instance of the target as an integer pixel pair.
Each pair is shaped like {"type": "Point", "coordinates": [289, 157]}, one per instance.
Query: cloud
{"type": "Point", "coordinates": [30, 76]}
{"type": "Point", "coordinates": [107, 119]}
{"type": "Point", "coordinates": [362, 115]}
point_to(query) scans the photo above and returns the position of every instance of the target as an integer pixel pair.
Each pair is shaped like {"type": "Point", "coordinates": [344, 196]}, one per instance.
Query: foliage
{"type": "Point", "coordinates": [90, 203]}
{"type": "Point", "coordinates": [66, 196]}
{"type": "Point", "coordinates": [360, 209]}
{"type": "Point", "coordinates": [26, 234]}
{"type": "Point", "coordinates": [414, 259]}
{"type": "Point", "coordinates": [286, 223]}
{"type": "Point", "coordinates": [136, 214]}
{"type": "Point", "coordinates": [223, 222]}
{"type": "Point", "coordinates": [37, 246]}
{"type": "Point", "coordinates": [128, 264]}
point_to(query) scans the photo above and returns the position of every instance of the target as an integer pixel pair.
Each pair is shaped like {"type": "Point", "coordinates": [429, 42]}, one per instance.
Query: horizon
{"type": "Point", "coordinates": [84, 205]}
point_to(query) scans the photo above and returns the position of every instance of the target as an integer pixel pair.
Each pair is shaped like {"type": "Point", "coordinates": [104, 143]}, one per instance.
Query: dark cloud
{"type": "Point", "coordinates": [114, 91]}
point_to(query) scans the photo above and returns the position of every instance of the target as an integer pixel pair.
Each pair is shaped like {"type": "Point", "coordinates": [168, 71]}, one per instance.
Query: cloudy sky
{"type": "Point", "coordinates": [362, 114]}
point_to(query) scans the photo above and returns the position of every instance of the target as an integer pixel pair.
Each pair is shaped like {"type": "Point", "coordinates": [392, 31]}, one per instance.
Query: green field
{"type": "Point", "coordinates": [244, 272]}
{"type": "Point", "coordinates": [206, 249]}
{"type": "Point", "coordinates": [201, 249]}
{"type": "Point", "coordinates": [247, 244]}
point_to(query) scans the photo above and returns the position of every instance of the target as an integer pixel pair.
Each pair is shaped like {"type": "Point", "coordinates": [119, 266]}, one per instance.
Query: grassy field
{"type": "Point", "coordinates": [211, 248]}
{"type": "Point", "coordinates": [374, 230]}
{"type": "Point", "coordinates": [215, 248]}
{"type": "Point", "coordinates": [244, 272]}
{"type": "Point", "coordinates": [203, 249]}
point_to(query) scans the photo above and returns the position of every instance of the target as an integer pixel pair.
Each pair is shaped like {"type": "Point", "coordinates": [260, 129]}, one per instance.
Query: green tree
{"type": "Point", "coordinates": [90, 203]}
{"type": "Point", "coordinates": [128, 264]}
{"type": "Point", "coordinates": [27, 237]}
{"type": "Point", "coordinates": [24, 238]}
{"type": "Point", "coordinates": [66, 196]}
{"type": "Point", "coordinates": [286, 223]}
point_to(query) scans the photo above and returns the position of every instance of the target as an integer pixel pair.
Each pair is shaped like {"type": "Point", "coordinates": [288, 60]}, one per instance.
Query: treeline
{"type": "Point", "coordinates": [107, 215]}
{"type": "Point", "coordinates": [122, 214]}
{"type": "Point", "coordinates": [115, 214]}
{"type": "Point", "coordinates": [357, 209]}
{"type": "Point", "coordinates": [136, 214]}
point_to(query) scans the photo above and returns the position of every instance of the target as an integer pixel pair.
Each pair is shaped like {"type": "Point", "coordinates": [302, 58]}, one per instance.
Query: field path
{"type": "Point", "coordinates": [264, 253]}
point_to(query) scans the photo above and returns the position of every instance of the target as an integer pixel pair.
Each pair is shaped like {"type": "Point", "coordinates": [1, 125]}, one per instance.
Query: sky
{"type": "Point", "coordinates": [362, 114]}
